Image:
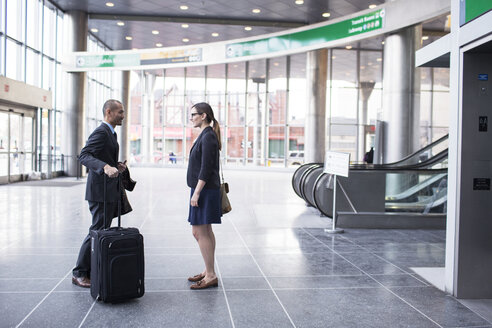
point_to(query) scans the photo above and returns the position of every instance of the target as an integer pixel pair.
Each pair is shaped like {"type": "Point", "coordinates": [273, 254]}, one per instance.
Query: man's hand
{"type": "Point", "coordinates": [121, 167]}
{"type": "Point", "coordinates": [110, 171]}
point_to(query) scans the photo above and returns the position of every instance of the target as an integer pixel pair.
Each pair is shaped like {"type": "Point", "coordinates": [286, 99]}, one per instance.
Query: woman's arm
{"type": "Point", "coordinates": [196, 194]}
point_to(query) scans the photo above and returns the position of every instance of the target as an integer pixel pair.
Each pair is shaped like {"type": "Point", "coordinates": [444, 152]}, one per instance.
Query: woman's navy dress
{"type": "Point", "coordinates": [204, 165]}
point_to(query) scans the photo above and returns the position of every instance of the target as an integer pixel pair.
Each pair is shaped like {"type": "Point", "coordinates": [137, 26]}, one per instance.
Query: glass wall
{"type": "Point", "coordinates": [434, 104]}
{"type": "Point", "coordinates": [261, 108]}
{"type": "Point", "coordinates": [101, 86]}
{"type": "Point", "coordinates": [30, 51]}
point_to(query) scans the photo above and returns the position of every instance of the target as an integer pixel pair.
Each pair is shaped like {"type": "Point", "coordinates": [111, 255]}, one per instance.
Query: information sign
{"type": "Point", "coordinates": [337, 163]}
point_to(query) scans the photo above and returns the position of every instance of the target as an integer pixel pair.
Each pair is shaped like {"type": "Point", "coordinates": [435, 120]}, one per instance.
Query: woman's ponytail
{"type": "Point", "coordinates": [217, 132]}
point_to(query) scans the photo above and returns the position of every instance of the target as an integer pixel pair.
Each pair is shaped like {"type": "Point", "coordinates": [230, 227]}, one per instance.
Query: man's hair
{"type": "Point", "coordinates": [111, 104]}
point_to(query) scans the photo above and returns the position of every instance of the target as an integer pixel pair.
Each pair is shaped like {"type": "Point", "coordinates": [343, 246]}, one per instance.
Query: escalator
{"type": "Point", "coordinates": [414, 187]}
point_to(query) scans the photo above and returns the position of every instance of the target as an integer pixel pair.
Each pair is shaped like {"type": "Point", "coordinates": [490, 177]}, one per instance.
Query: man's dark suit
{"type": "Point", "coordinates": [101, 149]}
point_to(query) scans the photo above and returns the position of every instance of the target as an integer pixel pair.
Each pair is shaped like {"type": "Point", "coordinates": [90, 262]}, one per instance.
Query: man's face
{"type": "Point", "coordinates": [116, 115]}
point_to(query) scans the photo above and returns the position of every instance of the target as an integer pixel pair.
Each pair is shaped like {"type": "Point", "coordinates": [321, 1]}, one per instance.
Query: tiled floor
{"type": "Point", "coordinates": [277, 266]}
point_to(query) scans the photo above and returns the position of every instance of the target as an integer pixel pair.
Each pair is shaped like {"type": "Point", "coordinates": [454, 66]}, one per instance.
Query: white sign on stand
{"type": "Point", "coordinates": [336, 163]}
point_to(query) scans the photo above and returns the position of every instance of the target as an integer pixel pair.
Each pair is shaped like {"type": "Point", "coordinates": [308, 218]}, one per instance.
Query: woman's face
{"type": "Point", "coordinates": [196, 118]}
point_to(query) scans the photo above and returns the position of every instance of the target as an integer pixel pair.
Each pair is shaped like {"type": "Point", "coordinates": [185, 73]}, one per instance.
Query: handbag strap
{"type": "Point", "coordinates": [221, 168]}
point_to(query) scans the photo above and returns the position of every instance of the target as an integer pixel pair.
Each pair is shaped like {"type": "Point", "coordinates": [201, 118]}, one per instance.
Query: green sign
{"type": "Point", "coordinates": [471, 9]}
{"type": "Point", "coordinates": [118, 60]}
{"type": "Point", "coordinates": [354, 26]}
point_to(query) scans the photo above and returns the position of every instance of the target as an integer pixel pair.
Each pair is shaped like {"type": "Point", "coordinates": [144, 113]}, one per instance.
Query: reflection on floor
{"type": "Point", "coordinates": [277, 267]}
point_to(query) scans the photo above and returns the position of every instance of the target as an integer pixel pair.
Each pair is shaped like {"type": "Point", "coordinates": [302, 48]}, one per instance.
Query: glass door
{"type": "Point", "coordinates": [4, 147]}
{"type": "Point", "coordinates": [16, 144]}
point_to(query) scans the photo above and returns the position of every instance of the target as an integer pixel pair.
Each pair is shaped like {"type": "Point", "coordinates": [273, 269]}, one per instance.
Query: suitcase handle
{"type": "Point", "coordinates": [119, 201]}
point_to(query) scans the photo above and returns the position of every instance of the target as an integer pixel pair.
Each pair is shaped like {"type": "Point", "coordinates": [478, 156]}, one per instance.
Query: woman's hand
{"type": "Point", "coordinates": [194, 199]}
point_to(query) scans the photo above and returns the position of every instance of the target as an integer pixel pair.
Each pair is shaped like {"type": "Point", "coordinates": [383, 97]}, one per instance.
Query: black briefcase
{"type": "Point", "coordinates": [117, 261]}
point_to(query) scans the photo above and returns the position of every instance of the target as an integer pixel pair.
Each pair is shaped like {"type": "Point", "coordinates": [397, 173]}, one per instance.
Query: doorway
{"type": "Point", "coordinates": [17, 127]}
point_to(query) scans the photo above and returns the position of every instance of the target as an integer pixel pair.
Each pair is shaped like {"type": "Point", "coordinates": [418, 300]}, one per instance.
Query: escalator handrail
{"type": "Point", "coordinates": [417, 166]}
{"type": "Point", "coordinates": [420, 151]}
{"type": "Point", "coordinates": [295, 175]}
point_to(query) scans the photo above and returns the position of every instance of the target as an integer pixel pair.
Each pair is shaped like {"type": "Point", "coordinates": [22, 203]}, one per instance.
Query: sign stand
{"type": "Point", "coordinates": [334, 229]}
{"type": "Point", "coordinates": [337, 164]}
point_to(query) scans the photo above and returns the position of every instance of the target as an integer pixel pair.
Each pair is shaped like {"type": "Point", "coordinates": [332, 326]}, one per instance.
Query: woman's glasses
{"type": "Point", "coordinates": [193, 114]}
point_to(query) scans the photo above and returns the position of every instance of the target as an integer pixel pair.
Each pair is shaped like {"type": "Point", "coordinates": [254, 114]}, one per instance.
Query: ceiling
{"type": "Point", "coordinates": [227, 18]}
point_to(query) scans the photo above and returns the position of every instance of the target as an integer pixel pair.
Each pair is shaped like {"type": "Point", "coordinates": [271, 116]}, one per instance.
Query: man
{"type": "Point", "coordinates": [100, 156]}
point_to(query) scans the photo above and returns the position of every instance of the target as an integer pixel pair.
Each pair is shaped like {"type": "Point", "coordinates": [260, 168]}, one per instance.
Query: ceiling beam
{"type": "Point", "coordinates": [198, 20]}
{"type": "Point", "coordinates": [432, 32]}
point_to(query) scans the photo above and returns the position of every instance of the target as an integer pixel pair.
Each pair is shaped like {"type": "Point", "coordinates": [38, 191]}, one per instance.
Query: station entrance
{"type": "Point", "coordinates": [17, 151]}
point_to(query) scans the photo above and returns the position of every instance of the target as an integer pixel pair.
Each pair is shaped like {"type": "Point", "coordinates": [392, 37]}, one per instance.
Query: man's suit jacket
{"type": "Point", "coordinates": [101, 149]}
{"type": "Point", "coordinates": [204, 160]}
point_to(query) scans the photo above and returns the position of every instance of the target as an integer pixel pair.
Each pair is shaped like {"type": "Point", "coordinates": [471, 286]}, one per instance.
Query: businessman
{"type": "Point", "coordinates": [100, 156]}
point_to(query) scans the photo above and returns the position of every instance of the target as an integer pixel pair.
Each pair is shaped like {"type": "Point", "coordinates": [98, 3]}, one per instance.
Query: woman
{"type": "Point", "coordinates": [203, 179]}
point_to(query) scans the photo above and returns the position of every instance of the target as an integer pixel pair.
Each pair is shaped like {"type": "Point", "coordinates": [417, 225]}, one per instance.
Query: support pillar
{"type": "Point", "coordinates": [365, 92]}
{"type": "Point", "coordinates": [73, 120]}
{"type": "Point", "coordinates": [147, 149]}
{"type": "Point", "coordinates": [317, 70]}
{"type": "Point", "coordinates": [125, 127]}
{"type": "Point", "coordinates": [401, 94]}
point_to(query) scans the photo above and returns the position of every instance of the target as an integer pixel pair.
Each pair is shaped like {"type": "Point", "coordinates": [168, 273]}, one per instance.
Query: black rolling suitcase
{"type": "Point", "coordinates": [117, 261]}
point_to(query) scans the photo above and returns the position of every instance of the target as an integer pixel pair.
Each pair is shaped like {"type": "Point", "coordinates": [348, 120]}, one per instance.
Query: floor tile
{"type": "Point", "coordinates": [249, 283]}
{"type": "Point", "coordinates": [164, 309]}
{"type": "Point", "coordinates": [362, 281]}
{"type": "Point", "coordinates": [442, 308]}
{"type": "Point", "coordinates": [305, 264]}
{"type": "Point", "coordinates": [371, 264]}
{"type": "Point", "coordinates": [256, 308]}
{"type": "Point", "coordinates": [16, 306]}
{"type": "Point", "coordinates": [399, 280]}
{"type": "Point", "coordinates": [60, 310]}
{"type": "Point", "coordinates": [37, 284]}
{"type": "Point", "coordinates": [232, 266]}
{"type": "Point", "coordinates": [359, 307]}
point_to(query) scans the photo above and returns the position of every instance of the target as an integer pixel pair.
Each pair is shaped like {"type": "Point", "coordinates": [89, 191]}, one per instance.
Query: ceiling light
{"type": "Point", "coordinates": [299, 2]}
{"type": "Point", "coordinates": [94, 30]}
{"type": "Point", "coordinates": [276, 64]}
{"type": "Point", "coordinates": [326, 14]}
{"type": "Point", "coordinates": [155, 32]}
{"type": "Point", "coordinates": [183, 7]}
{"type": "Point", "coordinates": [134, 48]}
{"type": "Point", "coordinates": [256, 11]}
{"type": "Point", "coordinates": [333, 57]}
{"type": "Point", "coordinates": [185, 40]}
{"type": "Point", "coordinates": [425, 37]}
{"type": "Point", "coordinates": [120, 23]}
{"type": "Point", "coordinates": [109, 4]}
{"type": "Point", "coordinates": [215, 34]}
{"type": "Point", "coordinates": [248, 28]}
{"type": "Point", "coordinates": [369, 63]}
{"type": "Point", "coordinates": [348, 47]}
{"type": "Point", "coordinates": [379, 59]}
{"type": "Point", "coordinates": [185, 25]}
{"type": "Point", "coordinates": [129, 38]}
{"type": "Point", "coordinates": [372, 6]}
{"type": "Point", "coordinates": [382, 42]}
{"type": "Point", "coordinates": [158, 44]}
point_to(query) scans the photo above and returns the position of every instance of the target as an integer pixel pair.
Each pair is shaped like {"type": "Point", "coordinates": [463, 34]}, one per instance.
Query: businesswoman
{"type": "Point", "coordinates": [203, 179]}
